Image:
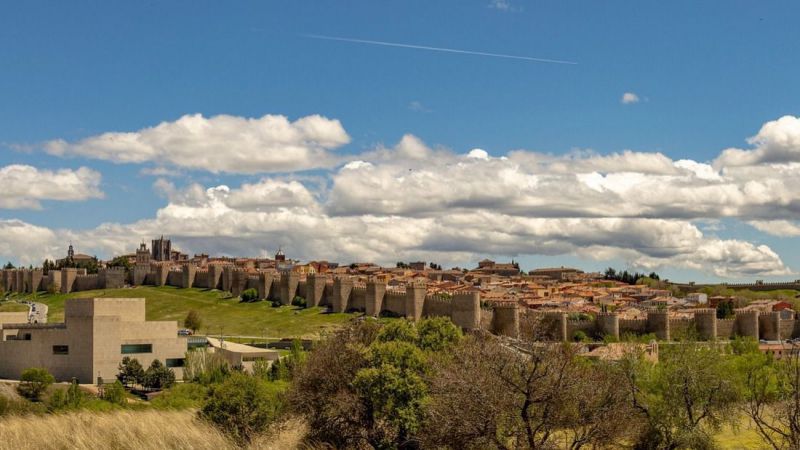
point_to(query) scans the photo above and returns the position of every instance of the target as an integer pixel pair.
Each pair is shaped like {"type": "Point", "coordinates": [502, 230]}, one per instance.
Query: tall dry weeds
{"type": "Point", "coordinates": [134, 430]}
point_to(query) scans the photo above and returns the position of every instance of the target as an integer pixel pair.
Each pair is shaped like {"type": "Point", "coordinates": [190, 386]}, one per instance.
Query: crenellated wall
{"type": "Point", "coordinates": [555, 325]}
{"type": "Point", "coordinates": [340, 300]}
{"type": "Point", "coordinates": [505, 320]}
{"type": "Point", "coordinates": [394, 301]}
{"type": "Point", "coordinates": [86, 282]}
{"type": "Point", "coordinates": [608, 324]}
{"type": "Point", "coordinates": [373, 301]}
{"type": "Point", "coordinates": [68, 275]}
{"type": "Point", "coordinates": [215, 276]}
{"type": "Point", "coordinates": [288, 286]}
{"type": "Point", "coordinates": [188, 275]}
{"type": "Point", "coordinates": [315, 289]}
{"type": "Point", "coordinates": [358, 298]}
{"type": "Point", "coordinates": [174, 278]}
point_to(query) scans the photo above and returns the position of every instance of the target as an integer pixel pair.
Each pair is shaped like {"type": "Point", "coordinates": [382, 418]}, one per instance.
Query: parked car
{"type": "Point", "coordinates": [185, 332]}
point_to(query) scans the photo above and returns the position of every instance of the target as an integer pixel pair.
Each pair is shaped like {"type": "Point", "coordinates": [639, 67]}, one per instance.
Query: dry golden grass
{"type": "Point", "coordinates": [138, 430]}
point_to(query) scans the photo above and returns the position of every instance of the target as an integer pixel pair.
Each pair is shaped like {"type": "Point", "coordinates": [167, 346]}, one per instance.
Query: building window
{"type": "Point", "coordinates": [61, 349]}
{"type": "Point", "coordinates": [175, 362]}
{"type": "Point", "coordinates": [26, 337]}
{"type": "Point", "coordinates": [136, 348]}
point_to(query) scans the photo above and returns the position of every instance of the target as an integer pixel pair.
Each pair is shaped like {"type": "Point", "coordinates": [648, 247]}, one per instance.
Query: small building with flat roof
{"type": "Point", "coordinates": [241, 355]}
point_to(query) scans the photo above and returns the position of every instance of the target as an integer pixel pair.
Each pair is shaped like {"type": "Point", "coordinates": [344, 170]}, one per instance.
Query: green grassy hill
{"type": "Point", "coordinates": [13, 307]}
{"type": "Point", "coordinates": [220, 315]}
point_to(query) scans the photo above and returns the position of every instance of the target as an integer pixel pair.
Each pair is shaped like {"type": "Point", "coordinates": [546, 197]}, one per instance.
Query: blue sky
{"type": "Point", "coordinates": [708, 76]}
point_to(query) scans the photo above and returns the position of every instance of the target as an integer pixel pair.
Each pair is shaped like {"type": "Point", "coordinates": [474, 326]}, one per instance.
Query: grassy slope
{"type": "Point", "coordinates": [218, 314]}
{"type": "Point", "coordinates": [13, 307]}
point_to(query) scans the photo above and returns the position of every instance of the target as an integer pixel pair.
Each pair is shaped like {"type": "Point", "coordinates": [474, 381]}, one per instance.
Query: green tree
{"type": "Point", "coordinates": [241, 407]}
{"type": "Point", "coordinates": [8, 265]}
{"type": "Point", "coordinates": [249, 295]}
{"type": "Point", "coordinates": [725, 310]}
{"type": "Point", "coordinates": [437, 334]}
{"type": "Point", "coordinates": [131, 372]}
{"type": "Point", "coordinates": [685, 398]}
{"type": "Point", "coordinates": [193, 321]}
{"type": "Point", "coordinates": [399, 330]}
{"type": "Point", "coordinates": [120, 261]}
{"type": "Point", "coordinates": [158, 376]}
{"type": "Point", "coordinates": [33, 382]}
{"type": "Point", "coordinates": [384, 405]}
{"type": "Point", "coordinates": [393, 391]}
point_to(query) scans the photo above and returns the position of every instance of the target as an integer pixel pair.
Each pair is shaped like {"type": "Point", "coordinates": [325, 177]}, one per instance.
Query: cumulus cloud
{"type": "Point", "coordinates": [26, 186]}
{"type": "Point", "coordinates": [416, 201]}
{"type": "Point", "coordinates": [629, 98]}
{"type": "Point", "coordinates": [778, 141]}
{"type": "Point", "coordinates": [580, 184]}
{"type": "Point", "coordinates": [27, 244]}
{"type": "Point", "coordinates": [221, 143]}
{"type": "Point", "coordinates": [211, 222]}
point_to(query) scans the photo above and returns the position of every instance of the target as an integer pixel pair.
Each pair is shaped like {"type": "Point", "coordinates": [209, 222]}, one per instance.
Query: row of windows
{"type": "Point", "coordinates": [126, 349]}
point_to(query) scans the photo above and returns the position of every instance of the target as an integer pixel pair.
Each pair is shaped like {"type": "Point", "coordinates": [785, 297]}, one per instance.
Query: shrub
{"type": "Point", "coordinates": [262, 369]}
{"type": "Point", "coordinates": [205, 368]}
{"type": "Point", "coordinates": [299, 301]}
{"type": "Point", "coordinates": [286, 367]}
{"type": "Point", "coordinates": [580, 336]}
{"type": "Point", "coordinates": [34, 382]}
{"type": "Point", "coordinates": [158, 376]}
{"type": "Point", "coordinates": [249, 295]}
{"type": "Point", "coordinates": [398, 330]}
{"type": "Point", "coordinates": [241, 407]}
{"type": "Point", "coordinates": [115, 394]}
{"type": "Point", "coordinates": [71, 398]}
{"type": "Point", "coordinates": [181, 396]}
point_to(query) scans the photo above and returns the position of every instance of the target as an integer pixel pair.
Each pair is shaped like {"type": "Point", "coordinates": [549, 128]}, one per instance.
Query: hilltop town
{"type": "Point", "coordinates": [493, 295]}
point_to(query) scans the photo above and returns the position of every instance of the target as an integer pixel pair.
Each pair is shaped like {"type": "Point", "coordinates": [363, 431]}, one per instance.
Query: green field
{"type": "Point", "coordinates": [13, 307]}
{"type": "Point", "coordinates": [220, 313]}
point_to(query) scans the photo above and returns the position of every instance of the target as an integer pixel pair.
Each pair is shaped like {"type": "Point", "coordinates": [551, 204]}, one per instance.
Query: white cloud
{"type": "Point", "coordinates": [415, 201]}
{"type": "Point", "coordinates": [780, 228]}
{"type": "Point", "coordinates": [27, 244]}
{"type": "Point", "coordinates": [219, 144]}
{"type": "Point", "coordinates": [212, 224]}
{"type": "Point", "coordinates": [26, 186]}
{"type": "Point", "coordinates": [417, 106]}
{"type": "Point", "coordinates": [531, 184]}
{"type": "Point", "coordinates": [502, 5]}
{"type": "Point", "coordinates": [629, 98]}
{"type": "Point", "coordinates": [778, 141]}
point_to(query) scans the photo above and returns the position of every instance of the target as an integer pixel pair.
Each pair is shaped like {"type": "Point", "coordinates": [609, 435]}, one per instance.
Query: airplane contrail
{"type": "Point", "coordinates": [437, 49]}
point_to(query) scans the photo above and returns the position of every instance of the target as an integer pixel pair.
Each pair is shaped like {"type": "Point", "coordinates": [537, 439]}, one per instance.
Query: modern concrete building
{"type": "Point", "coordinates": [95, 336]}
